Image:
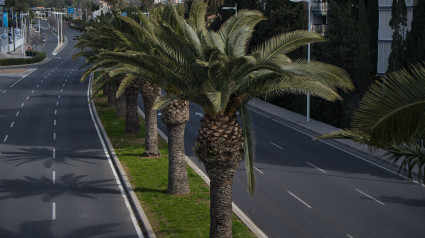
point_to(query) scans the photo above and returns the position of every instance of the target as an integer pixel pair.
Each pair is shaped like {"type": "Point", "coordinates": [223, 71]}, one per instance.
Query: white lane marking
{"type": "Point", "coordinates": [22, 104]}
{"type": "Point", "coordinates": [132, 216]}
{"type": "Point", "coordinates": [54, 177]}
{"type": "Point", "coordinates": [258, 170]}
{"type": "Point", "coordinates": [367, 195]}
{"type": "Point", "coordinates": [63, 85]}
{"type": "Point", "coordinates": [53, 211]}
{"type": "Point", "coordinates": [54, 122]}
{"type": "Point", "coordinates": [57, 103]}
{"type": "Point", "coordinates": [199, 114]}
{"type": "Point", "coordinates": [59, 96]}
{"type": "Point", "coordinates": [32, 91]}
{"type": "Point", "coordinates": [299, 199]}
{"type": "Point", "coordinates": [28, 97]}
{"type": "Point", "coordinates": [11, 86]}
{"type": "Point", "coordinates": [276, 145]}
{"type": "Point", "coordinates": [350, 236]}
{"type": "Point", "coordinates": [17, 113]}
{"type": "Point", "coordinates": [66, 80]}
{"type": "Point", "coordinates": [41, 81]}
{"type": "Point", "coordinates": [4, 91]}
{"type": "Point", "coordinates": [11, 125]}
{"type": "Point", "coordinates": [61, 90]}
{"type": "Point", "coordinates": [312, 165]}
{"type": "Point", "coordinates": [56, 111]}
{"type": "Point", "coordinates": [5, 138]}
{"type": "Point", "coordinates": [37, 86]}
{"type": "Point", "coordinates": [54, 135]}
{"type": "Point", "coordinates": [54, 153]}
{"type": "Point", "coordinates": [348, 152]}
{"type": "Point", "coordinates": [159, 114]}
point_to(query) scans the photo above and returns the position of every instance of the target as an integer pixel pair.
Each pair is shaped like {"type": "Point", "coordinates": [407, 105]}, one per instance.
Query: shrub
{"type": "Point", "coordinates": [38, 57]}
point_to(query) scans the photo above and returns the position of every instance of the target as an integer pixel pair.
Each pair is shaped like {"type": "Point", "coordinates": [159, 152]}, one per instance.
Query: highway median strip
{"type": "Point", "coordinates": [170, 216]}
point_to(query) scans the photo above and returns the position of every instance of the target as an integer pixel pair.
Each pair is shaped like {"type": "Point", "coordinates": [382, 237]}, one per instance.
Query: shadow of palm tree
{"type": "Point", "coordinates": [45, 155]}
{"type": "Point", "coordinates": [404, 201]}
{"type": "Point", "coordinates": [66, 184]}
{"type": "Point", "coordinates": [43, 229]}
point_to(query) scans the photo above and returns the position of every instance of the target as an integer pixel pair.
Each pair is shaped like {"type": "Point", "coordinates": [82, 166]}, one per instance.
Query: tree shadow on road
{"type": "Point", "coordinates": [66, 184]}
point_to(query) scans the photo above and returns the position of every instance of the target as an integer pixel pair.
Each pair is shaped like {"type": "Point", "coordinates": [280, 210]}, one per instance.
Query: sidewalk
{"type": "Point", "coordinates": [17, 53]}
{"type": "Point", "coordinates": [313, 127]}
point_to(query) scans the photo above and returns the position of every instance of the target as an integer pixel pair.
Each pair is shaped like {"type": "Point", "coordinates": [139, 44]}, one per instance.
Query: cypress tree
{"type": "Point", "coordinates": [398, 24]}
{"type": "Point", "coordinates": [415, 39]}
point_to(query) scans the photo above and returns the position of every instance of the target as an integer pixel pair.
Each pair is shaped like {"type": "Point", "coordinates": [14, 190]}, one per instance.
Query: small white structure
{"type": "Point", "coordinates": [385, 32]}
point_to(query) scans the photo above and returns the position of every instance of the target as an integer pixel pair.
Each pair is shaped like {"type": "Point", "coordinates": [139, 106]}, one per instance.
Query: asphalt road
{"type": "Point", "coordinates": [55, 178]}
{"type": "Point", "coordinates": [308, 188]}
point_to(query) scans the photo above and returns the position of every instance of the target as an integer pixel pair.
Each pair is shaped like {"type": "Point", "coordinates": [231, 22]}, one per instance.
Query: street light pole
{"type": "Point", "coordinates": [308, 51]}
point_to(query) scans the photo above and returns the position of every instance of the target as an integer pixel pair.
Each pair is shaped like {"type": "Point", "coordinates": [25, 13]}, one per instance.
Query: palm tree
{"type": "Point", "coordinates": [390, 116]}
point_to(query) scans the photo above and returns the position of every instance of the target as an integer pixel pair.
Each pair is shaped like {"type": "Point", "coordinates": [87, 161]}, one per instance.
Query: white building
{"type": "Point", "coordinates": [385, 32]}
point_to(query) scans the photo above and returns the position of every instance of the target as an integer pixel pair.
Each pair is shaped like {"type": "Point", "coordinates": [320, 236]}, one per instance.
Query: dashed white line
{"type": "Point", "coordinates": [54, 177]}
{"type": "Point", "coordinates": [22, 104]}
{"type": "Point", "coordinates": [312, 165]}
{"type": "Point", "coordinates": [53, 211]}
{"type": "Point", "coordinates": [37, 86]}
{"type": "Point", "coordinates": [5, 138]}
{"type": "Point", "coordinates": [54, 135]}
{"type": "Point", "coordinates": [57, 103]}
{"type": "Point", "coordinates": [54, 153]}
{"type": "Point", "coordinates": [41, 81]}
{"type": "Point", "coordinates": [54, 122]}
{"type": "Point", "coordinates": [17, 113]}
{"type": "Point", "coordinates": [4, 91]}
{"type": "Point", "coordinates": [367, 195]}
{"type": "Point", "coordinates": [13, 123]}
{"type": "Point", "coordinates": [59, 96]}
{"type": "Point", "coordinates": [276, 145]}
{"type": "Point", "coordinates": [350, 236]}
{"type": "Point", "coordinates": [299, 199]}
{"type": "Point", "coordinates": [32, 91]}
{"type": "Point", "coordinates": [258, 170]}
{"type": "Point", "coordinates": [56, 111]}
{"type": "Point", "coordinates": [28, 97]}
{"type": "Point", "coordinates": [63, 85]}
{"type": "Point", "coordinates": [61, 90]}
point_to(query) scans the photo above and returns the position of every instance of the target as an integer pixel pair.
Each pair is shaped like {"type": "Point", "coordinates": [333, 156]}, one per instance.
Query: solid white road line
{"type": "Point", "coordinates": [5, 138]}
{"type": "Point", "coordinates": [53, 211]}
{"type": "Point", "coordinates": [17, 113]}
{"type": "Point", "coordinates": [132, 216]}
{"type": "Point", "coordinates": [54, 177]}
{"type": "Point", "coordinates": [276, 145]}
{"type": "Point", "coordinates": [54, 153]}
{"type": "Point", "coordinates": [367, 195]}
{"type": "Point", "coordinates": [312, 165]}
{"type": "Point", "coordinates": [258, 170]}
{"type": "Point", "coordinates": [299, 199]}
{"type": "Point", "coordinates": [11, 125]}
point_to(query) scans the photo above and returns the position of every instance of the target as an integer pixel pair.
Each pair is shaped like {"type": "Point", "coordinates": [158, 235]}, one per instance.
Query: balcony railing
{"type": "Point", "coordinates": [320, 28]}
{"type": "Point", "coordinates": [319, 7]}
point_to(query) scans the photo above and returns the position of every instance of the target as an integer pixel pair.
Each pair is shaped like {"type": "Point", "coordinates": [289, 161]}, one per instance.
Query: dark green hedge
{"type": "Point", "coordinates": [39, 56]}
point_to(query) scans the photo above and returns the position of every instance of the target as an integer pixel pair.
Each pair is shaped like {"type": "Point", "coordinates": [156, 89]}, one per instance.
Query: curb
{"type": "Point", "coordinates": [134, 201]}
{"type": "Point", "coordinates": [60, 48]}
{"type": "Point", "coordinates": [238, 212]}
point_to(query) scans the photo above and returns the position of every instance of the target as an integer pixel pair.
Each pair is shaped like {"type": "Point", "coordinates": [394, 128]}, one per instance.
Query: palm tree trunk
{"type": "Point", "coordinates": [131, 117]}
{"type": "Point", "coordinates": [220, 148]}
{"type": "Point", "coordinates": [112, 90]}
{"type": "Point", "coordinates": [120, 106]}
{"type": "Point", "coordinates": [175, 116]}
{"type": "Point", "coordinates": [150, 93]}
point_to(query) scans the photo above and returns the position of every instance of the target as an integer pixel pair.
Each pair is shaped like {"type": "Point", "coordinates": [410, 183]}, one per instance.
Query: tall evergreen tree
{"type": "Point", "coordinates": [398, 24]}
{"type": "Point", "coordinates": [373, 22]}
{"type": "Point", "coordinates": [415, 39]}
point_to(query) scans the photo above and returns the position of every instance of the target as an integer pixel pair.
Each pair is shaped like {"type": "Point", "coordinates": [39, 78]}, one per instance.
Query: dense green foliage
{"type": "Point", "coordinates": [415, 46]}
{"type": "Point", "coordinates": [40, 56]}
{"type": "Point", "coordinates": [398, 24]}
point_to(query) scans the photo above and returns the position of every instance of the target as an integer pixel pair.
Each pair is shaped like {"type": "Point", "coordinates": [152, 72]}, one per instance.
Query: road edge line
{"type": "Point", "coordinates": [142, 219]}
{"type": "Point", "coordinates": [238, 212]}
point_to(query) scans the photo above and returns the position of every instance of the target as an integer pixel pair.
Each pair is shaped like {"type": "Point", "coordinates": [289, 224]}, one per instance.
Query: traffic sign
{"type": "Point", "coordinates": [29, 48]}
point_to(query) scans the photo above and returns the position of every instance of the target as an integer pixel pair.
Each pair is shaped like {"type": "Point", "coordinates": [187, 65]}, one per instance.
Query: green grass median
{"type": "Point", "coordinates": [170, 216]}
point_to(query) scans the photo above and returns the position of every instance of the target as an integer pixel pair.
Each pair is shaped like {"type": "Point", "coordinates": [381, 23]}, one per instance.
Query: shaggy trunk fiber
{"type": "Point", "coordinates": [150, 93]}
{"type": "Point", "coordinates": [175, 116]}
{"type": "Point", "coordinates": [131, 117]}
{"type": "Point", "coordinates": [220, 148]}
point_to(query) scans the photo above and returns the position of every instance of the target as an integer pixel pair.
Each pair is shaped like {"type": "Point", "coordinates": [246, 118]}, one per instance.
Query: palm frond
{"type": "Point", "coordinates": [249, 147]}
{"type": "Point", "coordinates": [125, 82]}
{"type": "Point", "coordinates": [359, 136]}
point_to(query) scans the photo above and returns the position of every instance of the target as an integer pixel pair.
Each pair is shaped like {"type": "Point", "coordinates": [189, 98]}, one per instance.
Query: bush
{"type": "Point", "coordinates": [38, 57]}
